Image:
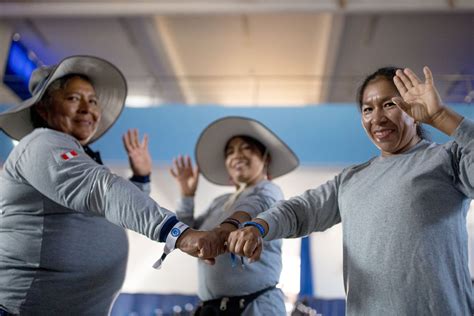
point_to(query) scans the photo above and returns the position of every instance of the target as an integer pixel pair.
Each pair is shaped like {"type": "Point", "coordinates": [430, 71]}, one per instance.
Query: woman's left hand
{"type": "Point", "coordinates": [138, 153]}
{"type": "Point", "coordinates": [420, 100]}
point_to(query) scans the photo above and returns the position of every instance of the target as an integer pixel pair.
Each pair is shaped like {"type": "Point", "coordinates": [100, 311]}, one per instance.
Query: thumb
{"type": "Point", "coordinates": [401, 104]}
{"type": "Point", "coordinates": [210, 261]}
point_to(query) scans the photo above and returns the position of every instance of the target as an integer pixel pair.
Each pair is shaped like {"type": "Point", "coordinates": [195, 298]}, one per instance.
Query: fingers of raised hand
{"type": "Point", "coordinates": [178, 165]}
{"type": "Point", "coordinates": [412, 76]}
{"type": "Point", "coordinates": [131, 141]}
{"type": "Point", "coordinates": [404, 80]}
{"type": "Point", "coordinates": [400, 85]}
{"type": "Point", "coordinates": [144, 143]}
{"type": "Point", "coordinates": [126, 141]}
{"type": "Point", "coordinates": [133, 137]}
{"type": "Point", "coordinates": [428, 75]}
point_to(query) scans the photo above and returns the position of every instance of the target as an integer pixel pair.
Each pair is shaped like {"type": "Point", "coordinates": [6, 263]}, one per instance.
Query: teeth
{"type": "Point", "coordinates": [239, 164]}
{"type": "Point", "coordinates": [382, 134]}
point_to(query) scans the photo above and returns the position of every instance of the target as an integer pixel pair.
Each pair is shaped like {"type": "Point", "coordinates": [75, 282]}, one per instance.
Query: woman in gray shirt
{"type": "Point", "coordinates": [63, 247]}
{"type": "Point", "coordinates": [240, 152]}
{"type": "Point", "coordinates": [403, 213]}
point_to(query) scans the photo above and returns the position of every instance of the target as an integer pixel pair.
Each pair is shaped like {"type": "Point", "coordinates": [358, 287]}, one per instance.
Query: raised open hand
{"type": "Point", "coordinates": [186, 175]}
{"type": "Point", "coordinates": [419, 99]}
{"type": "Point", "coordinates": [138, 154]}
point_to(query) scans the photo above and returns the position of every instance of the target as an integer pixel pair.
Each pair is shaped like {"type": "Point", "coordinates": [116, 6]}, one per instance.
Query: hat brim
{"type": "Point", "coordinates": [109, 84]}
{"type": "Point", "coordinates": [211, 145]}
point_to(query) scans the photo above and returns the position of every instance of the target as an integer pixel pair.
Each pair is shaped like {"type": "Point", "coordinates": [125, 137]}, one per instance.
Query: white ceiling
{"type": "Point", "coordinates": [260, 52]}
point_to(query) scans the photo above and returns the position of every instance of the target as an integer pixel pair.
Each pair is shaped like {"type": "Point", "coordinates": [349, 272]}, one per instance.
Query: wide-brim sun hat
{"type": "Point", "coordinates": [108, 82]}
{"type": "Point", "coordinates": [213, 139]}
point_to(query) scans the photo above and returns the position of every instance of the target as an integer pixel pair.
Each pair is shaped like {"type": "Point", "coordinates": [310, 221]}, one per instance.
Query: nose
{"type": "Point", "coordinates": [378, 116]}
{"type": "Point", "coordinates": [236, 154]}
{"type": "Point", "coordinates": [239, 152]}
{"type": "Point", "coordinates": [84, 107]}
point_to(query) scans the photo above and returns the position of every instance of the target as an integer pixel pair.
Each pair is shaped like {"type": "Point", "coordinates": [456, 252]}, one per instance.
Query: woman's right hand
{"type": "Point", "coordinates": [185, 174]}
{"type": "Point", "coordinates": [246, 242]}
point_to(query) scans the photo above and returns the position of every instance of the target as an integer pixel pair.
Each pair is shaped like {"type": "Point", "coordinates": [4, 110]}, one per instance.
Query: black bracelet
{"type": "Point", "coordinates": [232, 221]}
{"type": "Point", "coordinates": [140, 179]}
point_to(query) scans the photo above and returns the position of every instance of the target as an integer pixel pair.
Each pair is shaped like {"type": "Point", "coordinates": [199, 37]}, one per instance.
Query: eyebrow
{"type": "Point", "coordinates": [382, 100]}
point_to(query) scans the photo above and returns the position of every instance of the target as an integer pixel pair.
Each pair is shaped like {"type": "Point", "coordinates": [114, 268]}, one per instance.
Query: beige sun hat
{"type": "Point", "coordinates": [108, 81]}
{"type": "Point", "coordinates": [211, 144]}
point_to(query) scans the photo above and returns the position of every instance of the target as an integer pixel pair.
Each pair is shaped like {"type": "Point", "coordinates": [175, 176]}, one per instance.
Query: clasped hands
{"type": "Point", "coordinates": [207, 245]}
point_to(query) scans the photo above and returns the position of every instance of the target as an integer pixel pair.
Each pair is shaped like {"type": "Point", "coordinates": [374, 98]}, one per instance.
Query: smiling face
{"type": "Point", "coordinates": [387, 126]}
{"type": "Point", "coordinates": [244, 162]}
{"type": "Point", "coordinates": [72, 109]}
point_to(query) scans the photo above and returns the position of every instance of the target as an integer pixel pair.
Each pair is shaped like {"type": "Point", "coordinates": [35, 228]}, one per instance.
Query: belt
{"type": "Point", "coordinates": [233, 305]}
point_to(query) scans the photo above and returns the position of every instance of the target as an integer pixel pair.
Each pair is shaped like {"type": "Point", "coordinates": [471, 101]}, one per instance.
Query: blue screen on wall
{"type": "Point", "coordinates": [18, 69]}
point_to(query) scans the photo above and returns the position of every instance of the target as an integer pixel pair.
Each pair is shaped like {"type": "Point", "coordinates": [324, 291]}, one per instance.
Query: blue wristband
{"type": "Point", "coordinates": [260, 228]}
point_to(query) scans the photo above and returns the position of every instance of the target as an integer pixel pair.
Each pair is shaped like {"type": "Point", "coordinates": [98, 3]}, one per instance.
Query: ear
{"type": "Point", "coordinates": [268, 160]}
{"type": "Point", "coordinates": [266, 166]}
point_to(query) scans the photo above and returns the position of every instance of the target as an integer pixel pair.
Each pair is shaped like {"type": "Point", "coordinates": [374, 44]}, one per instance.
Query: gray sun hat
{"type": "Point", "coordinates": [213, 139]}
{"type": "Point", "coordinates": [108, 81]}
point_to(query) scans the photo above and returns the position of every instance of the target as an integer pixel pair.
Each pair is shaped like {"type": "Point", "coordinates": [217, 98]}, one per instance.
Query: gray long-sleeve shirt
{"type": "Point", "coordinates": [404, 228]}
{"type": "Point", "coordinates": [60, 252]}
{"type": "Point", "coordinates": [222, 279]}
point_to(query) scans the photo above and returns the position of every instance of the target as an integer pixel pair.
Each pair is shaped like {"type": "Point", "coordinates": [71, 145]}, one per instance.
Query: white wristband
{"type": "Point", "coordinates": [170, 244]}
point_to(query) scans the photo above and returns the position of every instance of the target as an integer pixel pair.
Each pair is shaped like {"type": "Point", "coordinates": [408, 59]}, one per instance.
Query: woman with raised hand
{"type": "Point", "coordinates": [63, 247]}
{"type": "Point", "coordinates": [403, 212]}
{"type": "Point", "coordinates": [243, 153]}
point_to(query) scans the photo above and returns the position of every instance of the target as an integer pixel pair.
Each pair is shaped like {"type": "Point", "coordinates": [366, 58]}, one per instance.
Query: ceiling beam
{"type": "Point", "coordinates": [140, 8]}
{"type": "Point", "coordinates": [152, 46]}
{"type": "Point", "coordinates": [174, 60]}
{"type": "Point", "coordinates": [333, 44]}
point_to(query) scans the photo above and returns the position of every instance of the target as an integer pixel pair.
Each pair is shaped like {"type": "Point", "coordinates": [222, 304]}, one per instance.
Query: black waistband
{"type": "Point", "coordinates": [248, 297]}
{"type": "Point", "coordinates": [239, 302]}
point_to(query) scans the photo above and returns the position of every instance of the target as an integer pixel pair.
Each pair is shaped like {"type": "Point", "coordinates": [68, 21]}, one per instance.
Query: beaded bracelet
{"type": "Point", "coordinates": [260, 228]}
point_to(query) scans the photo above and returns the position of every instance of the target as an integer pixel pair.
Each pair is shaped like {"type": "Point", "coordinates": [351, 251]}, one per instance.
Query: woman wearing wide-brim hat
{"type": "Point", "coordinates": [60, 252]}
{"type": "Point", "coordinates": [243, 153]}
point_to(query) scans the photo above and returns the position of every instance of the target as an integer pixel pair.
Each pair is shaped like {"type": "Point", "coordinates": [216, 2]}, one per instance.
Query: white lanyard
{"type": "Point", "coordinates": [170, 244]}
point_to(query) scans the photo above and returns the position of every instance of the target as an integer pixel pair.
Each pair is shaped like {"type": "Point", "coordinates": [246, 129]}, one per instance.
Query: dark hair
{"type": "Point", "coordinates": [385, 73]}
{"type": "Point", "coordinates": [249, 140]}
{"type": "Point", "coordinates": [46, 99]}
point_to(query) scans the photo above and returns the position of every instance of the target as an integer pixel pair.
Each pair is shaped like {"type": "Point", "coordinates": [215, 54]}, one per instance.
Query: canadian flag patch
{"type": "Point", "coordinates": [69, 155]}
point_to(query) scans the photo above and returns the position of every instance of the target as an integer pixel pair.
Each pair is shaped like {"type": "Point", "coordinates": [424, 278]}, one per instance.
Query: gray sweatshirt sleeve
{"type": "Point", "coordinates": [260, 199]}
{"type": "Point", "coordinates": [55, 165]}
{"type": "Point", "coordinates": [144, 187]}
{"type": "Point", "coordinates": [462, 150]}
{"type": "Point", "coordinates": [314, 210]}
{"type": "Point", "coordinates": [185, 210]}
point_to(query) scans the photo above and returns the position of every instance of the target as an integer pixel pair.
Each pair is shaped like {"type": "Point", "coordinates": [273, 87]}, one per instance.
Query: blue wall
{"type": "Point", "coordinates": [320, 135]}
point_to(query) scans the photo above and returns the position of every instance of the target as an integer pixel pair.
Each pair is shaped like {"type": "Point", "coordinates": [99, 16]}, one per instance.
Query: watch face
{"type": "Point", "coordinates": [175, 232]}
